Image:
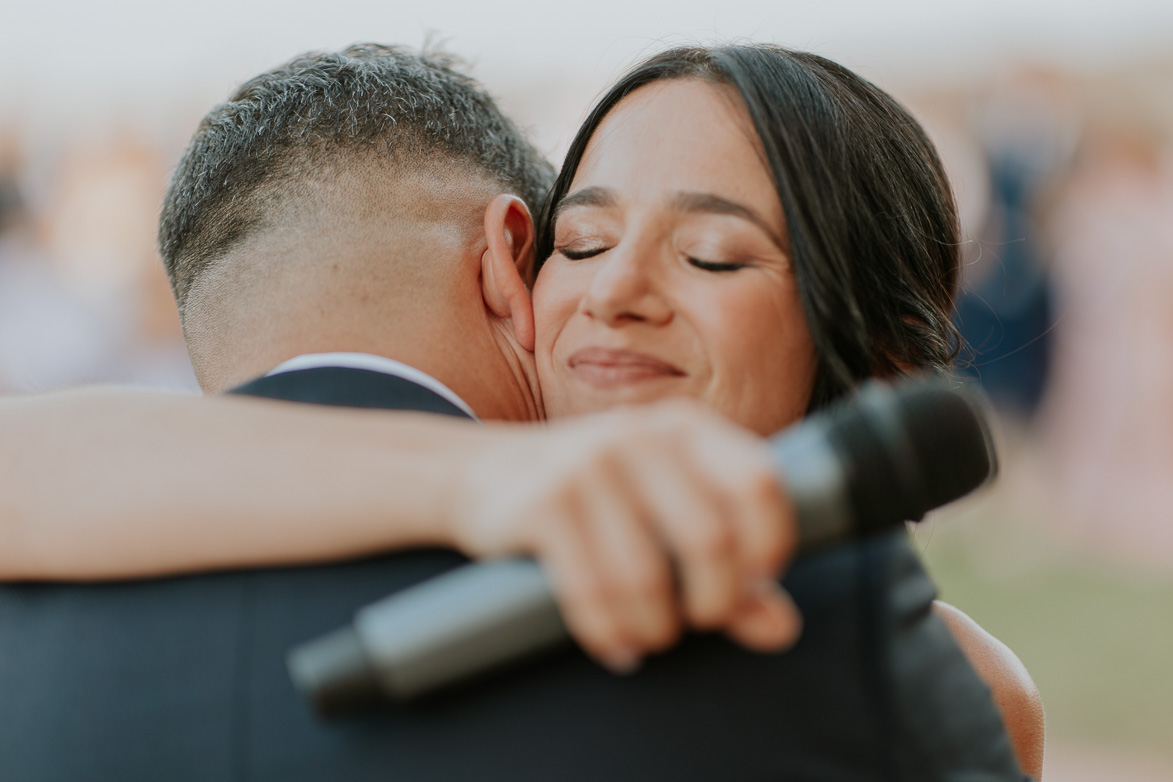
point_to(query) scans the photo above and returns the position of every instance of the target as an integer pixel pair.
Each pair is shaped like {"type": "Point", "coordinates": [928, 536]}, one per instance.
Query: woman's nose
{"type": "Point", "coordinates": [627, 288]}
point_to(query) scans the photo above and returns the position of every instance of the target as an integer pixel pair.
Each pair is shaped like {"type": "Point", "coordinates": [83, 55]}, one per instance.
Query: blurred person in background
{"type": "Point", "coordinates": [840, 360]}
{"type": "Point", "coordinates": [48, 336]}
{"type": "Point", "coordinates": [1064, 291]}
{"type": "Point", "coordinates": [1025, 126]}
{"type": "Point", "coordinates": [99, 214]}
{"type": "Point", "coordinates": [82, 299]}
{"type": "Point", "coordinates": [1106, 446]}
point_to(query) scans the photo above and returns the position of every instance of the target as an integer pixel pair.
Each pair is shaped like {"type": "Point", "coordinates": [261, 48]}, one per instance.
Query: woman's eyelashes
{"type": "Point", "coordinates": [714, 266]}
{"type": "Point", "coordinates": [582, 253]}
{"type": "Point", "coordinates": [579, 253]}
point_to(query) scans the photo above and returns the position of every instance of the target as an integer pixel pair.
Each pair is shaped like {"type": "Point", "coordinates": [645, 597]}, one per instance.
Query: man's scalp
{"type": "Point", "coordinates": [282, 126]}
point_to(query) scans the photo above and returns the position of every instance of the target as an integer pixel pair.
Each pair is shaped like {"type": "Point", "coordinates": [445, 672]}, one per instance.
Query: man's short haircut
{"type": "Point", "coordinates": [407, 108]}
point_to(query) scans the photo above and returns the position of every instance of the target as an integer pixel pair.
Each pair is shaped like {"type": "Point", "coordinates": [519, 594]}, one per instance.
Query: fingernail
{"type": "Point", "coordinates": [622, 663]}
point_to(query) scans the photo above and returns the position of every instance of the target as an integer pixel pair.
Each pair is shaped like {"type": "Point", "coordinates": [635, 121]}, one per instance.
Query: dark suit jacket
{"type": "Point", "coordinates": [184, 679]}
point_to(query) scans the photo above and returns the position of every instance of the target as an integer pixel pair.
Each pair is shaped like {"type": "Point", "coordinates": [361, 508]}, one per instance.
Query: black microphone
{"type": "Point", "coordinates": [888, 455]}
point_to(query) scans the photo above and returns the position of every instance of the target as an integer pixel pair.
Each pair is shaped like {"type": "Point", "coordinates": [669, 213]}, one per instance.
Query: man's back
{"type": "Point", "coordinates": [184, 678]}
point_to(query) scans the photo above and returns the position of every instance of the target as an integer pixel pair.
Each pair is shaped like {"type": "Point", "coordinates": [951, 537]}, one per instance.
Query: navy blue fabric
{"type": "Point", "coordinates": [184, 678]}
{"type": "Point", "coordinates": [347, 387]}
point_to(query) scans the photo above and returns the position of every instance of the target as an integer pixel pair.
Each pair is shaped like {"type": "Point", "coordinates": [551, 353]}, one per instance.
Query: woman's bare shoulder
{"type": "Point", "coordinates": [1015, 693]}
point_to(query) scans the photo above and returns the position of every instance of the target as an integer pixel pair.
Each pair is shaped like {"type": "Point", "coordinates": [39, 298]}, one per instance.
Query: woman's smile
{"type": "Point", "coordinates": [609, 368]}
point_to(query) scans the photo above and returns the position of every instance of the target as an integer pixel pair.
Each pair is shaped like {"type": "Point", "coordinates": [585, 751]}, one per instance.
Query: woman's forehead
{"type": "Point", "coordinates": [681, 135]}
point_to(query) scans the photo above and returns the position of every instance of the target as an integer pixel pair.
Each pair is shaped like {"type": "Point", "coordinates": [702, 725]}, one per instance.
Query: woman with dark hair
{"type": "Point", "coordinates": [869, 225]}
{"type": "Point", "coordinates": [757, 229]}
{"type": "Point", "coordinates": [762, 230]}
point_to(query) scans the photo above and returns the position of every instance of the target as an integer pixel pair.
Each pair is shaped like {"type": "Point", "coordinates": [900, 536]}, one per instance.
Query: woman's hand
{"type": "Point", "coordinates": [648, 520]}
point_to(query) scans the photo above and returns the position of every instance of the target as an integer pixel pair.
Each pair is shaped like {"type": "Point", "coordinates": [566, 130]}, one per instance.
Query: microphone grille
{"type": "Point", "coordinates": [948, 431]}
{"type": "Point", "coordinates": [911, 447]}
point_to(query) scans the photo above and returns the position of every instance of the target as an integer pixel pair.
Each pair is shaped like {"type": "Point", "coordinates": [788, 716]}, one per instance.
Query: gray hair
{"type": "Point", "coordinates": [411, 108]}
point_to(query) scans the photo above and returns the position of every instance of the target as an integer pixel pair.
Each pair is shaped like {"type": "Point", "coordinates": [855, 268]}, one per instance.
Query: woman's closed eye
{"type": "Point", "coordinates": [716, 266]}
{"type": "Point", "coordinates": [575, 253]}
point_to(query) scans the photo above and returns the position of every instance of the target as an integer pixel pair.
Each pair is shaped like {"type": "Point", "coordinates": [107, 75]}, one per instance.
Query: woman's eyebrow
{"type": "Point", "coordinates": [715, 204]}
{"type": "Point", "coordinates": [588, 196]}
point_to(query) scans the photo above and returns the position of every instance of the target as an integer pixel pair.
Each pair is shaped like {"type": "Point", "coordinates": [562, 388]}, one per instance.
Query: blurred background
{"type": "Point", "coordinates": [1055, 121]}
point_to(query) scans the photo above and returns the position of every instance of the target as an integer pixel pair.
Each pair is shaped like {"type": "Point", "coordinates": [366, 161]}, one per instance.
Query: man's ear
{"type": "Point", "coordinates": [506, 264]}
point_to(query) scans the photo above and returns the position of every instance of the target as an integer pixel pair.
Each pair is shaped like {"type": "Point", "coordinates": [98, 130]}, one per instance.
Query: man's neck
{"type": "Point", "coordinates": [307, 293]}
{"type": "Point", "coordinates": [478, 360]}
{"type": "Point", "coordinates": [472, 355]}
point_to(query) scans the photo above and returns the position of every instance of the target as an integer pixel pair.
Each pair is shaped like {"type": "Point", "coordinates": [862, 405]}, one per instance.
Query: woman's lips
{"type": "Point", "coordinates": [605, 367]}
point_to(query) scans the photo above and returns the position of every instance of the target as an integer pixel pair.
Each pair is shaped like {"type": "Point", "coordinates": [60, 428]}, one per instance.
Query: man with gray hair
{"type": "Point", "coordinates": [347, 180]}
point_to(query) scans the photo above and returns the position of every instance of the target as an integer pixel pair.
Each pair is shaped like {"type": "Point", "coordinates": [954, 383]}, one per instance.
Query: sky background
{"type": "Point", "coordinates": [99, 62]}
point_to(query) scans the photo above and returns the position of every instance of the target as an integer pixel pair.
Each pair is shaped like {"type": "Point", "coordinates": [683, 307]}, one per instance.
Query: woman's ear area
{"type": "Point", "coordinates": [506, 264]}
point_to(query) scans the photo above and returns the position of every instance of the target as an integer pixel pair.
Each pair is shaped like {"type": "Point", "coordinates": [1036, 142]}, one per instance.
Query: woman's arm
{"type": "Point", "coordinates": [1014, 691]}
{"type": "Point", "coordinates": [98, 484]}
{"type": "Point", "coordinates": [619, 508]}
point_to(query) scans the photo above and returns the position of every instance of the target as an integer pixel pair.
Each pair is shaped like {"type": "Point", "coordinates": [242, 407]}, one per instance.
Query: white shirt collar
{"type": "Point", "coordinates": [372, 363]}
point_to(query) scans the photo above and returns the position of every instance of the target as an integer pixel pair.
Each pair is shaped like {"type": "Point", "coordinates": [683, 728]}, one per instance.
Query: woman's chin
{"type": "Point", "coordinates": [583, 398]}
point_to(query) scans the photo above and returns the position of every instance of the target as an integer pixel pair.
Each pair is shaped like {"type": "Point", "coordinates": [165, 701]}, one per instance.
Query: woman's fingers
{"type": "Point", "coordinates": [767, 620]}
{"type": "Point", "coordinates": [768, 530]}
{"type": "Point", "coordinates": [714, 497]}
{"type": "Point", "coordinates": [613, 579]}
{"type": "Point", "coordinates": [743, 472]}
{"type": "Point", "coordinates": [578, 586]}
{"type": "Point", "coordinates": [692, 521]}
{"type": "Point", "coordinates": [637, 575]}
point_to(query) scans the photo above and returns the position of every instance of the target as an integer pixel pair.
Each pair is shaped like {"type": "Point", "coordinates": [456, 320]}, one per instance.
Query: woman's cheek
{"type": "Point", "coordinates": [546, 322]}
{"type": "Point", "coordinates": [761, 355]}
{"type": "Point", "coordinates": [557, 291]}
{"type": "Point", "coordinates": [552, 308]}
